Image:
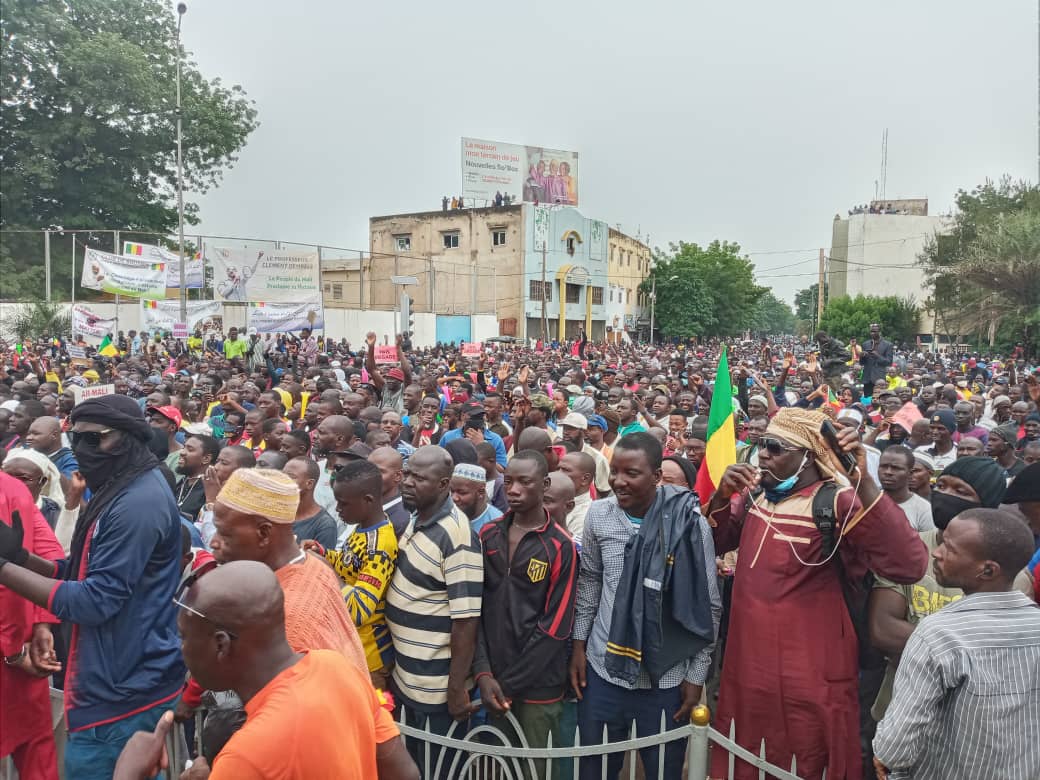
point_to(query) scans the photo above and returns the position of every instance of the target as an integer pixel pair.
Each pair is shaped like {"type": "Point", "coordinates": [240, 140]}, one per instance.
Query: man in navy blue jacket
{"type": "Point", "coordinates": [115, 588]}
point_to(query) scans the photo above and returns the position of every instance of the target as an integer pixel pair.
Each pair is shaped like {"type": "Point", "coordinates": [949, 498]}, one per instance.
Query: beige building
{"type": "Point", "coordinates": [628, 265]}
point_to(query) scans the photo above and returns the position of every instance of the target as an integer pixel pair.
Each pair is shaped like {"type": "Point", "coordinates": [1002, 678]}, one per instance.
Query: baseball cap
{"type": "Point", "coordinates": [358, 450]}
{"type": "Point", "coordinates": [575, 420]}
{"type": "Point", "coordinates": [395, 373]}
{"type": "Point", "coordinates": [541, 402]}
{"type": "Point", "coordinates": [573, 389]}
{"type": "Point", "coordinates": [946, 417]}
{"type": "Point", "coordinates": [473, 408]}
{"type": "Point", "coordinates": [171, 413]}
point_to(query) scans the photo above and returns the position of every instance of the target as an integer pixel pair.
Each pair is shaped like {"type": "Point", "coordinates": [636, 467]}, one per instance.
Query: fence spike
{"type": "Point", "coordinates": [632, 732]}
{"type": "Point", "coordinates": [732, 738]}
{"type": "Point", "coordinates": [762, 755]}
{"type": "Point", "coordinates": [603, 757]}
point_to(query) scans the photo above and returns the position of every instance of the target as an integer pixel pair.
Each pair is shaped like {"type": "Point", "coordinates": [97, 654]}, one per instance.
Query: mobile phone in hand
{"type": "Point", "coordinates": [830, 435]}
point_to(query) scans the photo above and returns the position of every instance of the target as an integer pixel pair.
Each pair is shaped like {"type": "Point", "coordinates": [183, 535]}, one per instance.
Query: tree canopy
{"type": "Point", "coordinates": [704, 291]}
{"type": "Point", "coordinates": [88, 132]}
{"type": "Point", "coordinates": [846, 318]}
{"type": "Point", "coordinates": [986, 271]}
{"type": "Point", "coordinates": [772, 315]}
{"type": "Point", "coordinates": [806, 302]}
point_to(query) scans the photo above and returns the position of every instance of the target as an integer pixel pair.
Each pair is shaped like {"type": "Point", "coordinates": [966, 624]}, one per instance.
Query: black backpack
{"type": "Point", "coordinates": [856, 593]}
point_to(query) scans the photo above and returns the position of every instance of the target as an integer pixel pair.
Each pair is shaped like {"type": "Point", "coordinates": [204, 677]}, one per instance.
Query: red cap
{"type": "Point", "coordinates": [171, 413]}
{"type": "Point", "coordinates": [395, 373]}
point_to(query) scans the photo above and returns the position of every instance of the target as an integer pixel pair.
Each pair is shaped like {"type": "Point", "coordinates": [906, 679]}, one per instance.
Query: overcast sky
{"type": "Point", "coordinates": [749, 121]}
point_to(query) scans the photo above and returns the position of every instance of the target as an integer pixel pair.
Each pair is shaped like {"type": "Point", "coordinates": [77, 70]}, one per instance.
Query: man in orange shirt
{"type": "Point", "coordinates": [253, 517]}
{"type": "Point", "coordinates": [232, 625]}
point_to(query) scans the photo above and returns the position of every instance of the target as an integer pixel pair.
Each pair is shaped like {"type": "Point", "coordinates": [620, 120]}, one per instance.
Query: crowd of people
{"type": "Point", "coordinates": [312, 548]}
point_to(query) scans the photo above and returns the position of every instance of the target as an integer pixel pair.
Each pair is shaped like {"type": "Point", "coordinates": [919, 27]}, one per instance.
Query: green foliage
{"type": "Point", "coordinates": [986, 272]}
{"type": "Point", "coordinates": [704, 292]}
{"type": "Point", "coordinates": [772, 315]}
{"type": "Point", "coordinates": [806, 303]}
{"type": "Point", "coordinates": [88, 132]}
{"type": "Point", "coordinates": [846, 318]}
{"type": "Point", "coordinates": [37, 319]}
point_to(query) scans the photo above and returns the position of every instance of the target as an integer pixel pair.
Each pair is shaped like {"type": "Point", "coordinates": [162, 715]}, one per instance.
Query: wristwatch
{"type": "Point", "coordinates": [11, 660]}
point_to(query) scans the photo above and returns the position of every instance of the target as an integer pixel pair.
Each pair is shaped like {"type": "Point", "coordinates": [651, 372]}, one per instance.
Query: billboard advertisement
{"type": "Point", "coordinates": [87, 323]}
{"type": "Point", "coordinates": [286, 317]}
{"type": "Point", "coordinates": [269, 275]}
{"type": "Point", "coordinates": [138, 278]}
{"type": "Point", "coordinates": [162, 314]}
{"type": "Point", "coordinates": [533, 174]}
{"type": "Point", "coordinates": [193, 273]}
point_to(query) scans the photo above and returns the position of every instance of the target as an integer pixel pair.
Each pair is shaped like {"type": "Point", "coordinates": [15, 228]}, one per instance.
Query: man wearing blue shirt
{"type": "Point", "coordinates": [475, 429]}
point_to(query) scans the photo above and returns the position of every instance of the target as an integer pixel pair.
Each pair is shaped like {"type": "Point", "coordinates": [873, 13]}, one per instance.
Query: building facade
{"type": "Point", "coordinates": [493, 261]}
{"type": "Point", "coordinates": [876, 253]}
{"type": "Point", "coordinates": [628, 266]}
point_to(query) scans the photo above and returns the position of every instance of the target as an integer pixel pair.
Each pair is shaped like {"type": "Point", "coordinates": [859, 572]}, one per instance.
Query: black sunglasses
{"type": "Point", "coordinates": [775, 446]}
{"type": "Point", "coordinates": [89, 438]}
{"type": "Point", "coordinates": [185, 584]}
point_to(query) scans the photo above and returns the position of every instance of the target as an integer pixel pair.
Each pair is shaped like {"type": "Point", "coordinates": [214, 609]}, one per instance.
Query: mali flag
{"type": "Point", "coordinates": [107, 348]}
{"type": "Point", "coordinates": [722, 437]}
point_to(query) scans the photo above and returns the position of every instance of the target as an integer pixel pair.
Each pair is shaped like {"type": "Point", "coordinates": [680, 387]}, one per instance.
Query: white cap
{"type": "Point", "coordinates": [575, 420]}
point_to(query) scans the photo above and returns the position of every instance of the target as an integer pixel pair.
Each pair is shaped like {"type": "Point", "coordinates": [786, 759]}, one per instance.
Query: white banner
{"type": "Point", "coordinates": [87, 323]}
{"type": "Point", "coordinates": [193, 268]}
{"type": "Point", "coordinates": [163, 314]}
{"type": "Point", "coordinates": [286, 317]}
{"type": "Point", "coordinates": [266, 275]}
{"type": "Point", "coordinates": [522, 173]}
{"type": "Point", "coordinates": [123, 275]}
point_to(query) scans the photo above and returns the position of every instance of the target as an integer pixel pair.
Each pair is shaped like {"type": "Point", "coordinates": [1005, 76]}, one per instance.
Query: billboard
{"type": "Point", "coordinates": [87, 323]}
{"type": "Point", "coordinates": [523, 173]}
{"type": "Point", "coordinates": [123, 275]}
{"type": "Point", "coordinates": [163, 314]}
{"type": "Point", "coordinates": [269, 275]}
{"type": "Point", "coordinates": [286, 317]}
{"type": "Point", "coordinates": [193, 272]}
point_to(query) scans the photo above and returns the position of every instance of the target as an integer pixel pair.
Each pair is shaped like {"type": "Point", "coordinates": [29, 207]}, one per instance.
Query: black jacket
{"type": "Point", "coordinates": [875, 366]}
{"type": "Point", "coordinates": [528, 610]}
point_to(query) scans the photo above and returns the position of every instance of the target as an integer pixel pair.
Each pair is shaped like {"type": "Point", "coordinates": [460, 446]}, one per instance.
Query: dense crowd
{"type": "Point", "coordinates": [311, 548]}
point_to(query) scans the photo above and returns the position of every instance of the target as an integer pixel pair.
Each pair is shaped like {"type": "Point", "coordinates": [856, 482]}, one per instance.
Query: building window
{"type": "Point", "coordinates": [611, 294]}
{"type": "Point", "coordinates": [535, 290]}
{"type": "Point", "coordinates": [573, 293]}
{"type": "Point", "coordinates": [570, 245]}
{"type": "Point", "coordinates": [629, 259]}
{"type": "Point", "coordinates": [451, 240]}
{"type": "Point", "coordinates": [404, 243]}
{"type": "Point", "coordinates": [629, 295]}
{"type": "Point", "coordinates": [328, 288]}
{"type": "Point", "coordinates": [337, 291]}
{"type": "Point", "coordinates": [498, 238]}
{"type": "Point", "coordinates": [597, 296]}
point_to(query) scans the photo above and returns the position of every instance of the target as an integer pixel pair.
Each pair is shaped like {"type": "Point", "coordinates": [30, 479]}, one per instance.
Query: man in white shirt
{"type": "Point", "coordinates": [894, 470]}
{"type": "Point", "coordinates": [581, 470]}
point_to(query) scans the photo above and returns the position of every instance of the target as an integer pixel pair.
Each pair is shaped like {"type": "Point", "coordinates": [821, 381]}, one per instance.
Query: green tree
{"type": "Point", "coordinates": [983, 271]}
{"type": "Point", "coordinates": [87, 138]}
{"type": "Point", "coordinates": [773, 315]}
{"type": "Point", "coordinates": [36, 319]}
{"type": "Point", "coordinates": [846, 318]}
{"type": "Point", "coordinates": [806, 303]}
{"type": "Point", "coordinates": [704, 291]}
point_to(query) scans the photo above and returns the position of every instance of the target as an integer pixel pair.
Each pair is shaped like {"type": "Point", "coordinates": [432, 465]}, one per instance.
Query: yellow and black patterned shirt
{"type": "Point", "coordinates": [366, 564]}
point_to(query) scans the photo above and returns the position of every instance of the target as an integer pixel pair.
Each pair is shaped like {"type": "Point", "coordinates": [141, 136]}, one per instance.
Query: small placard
{"type": "Point", "coordinates": [471, 348]}
{"type": "Point", "coordinates": [386, 353]}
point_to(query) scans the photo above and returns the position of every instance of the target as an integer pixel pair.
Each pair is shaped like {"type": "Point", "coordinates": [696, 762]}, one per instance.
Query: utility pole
{"type": "Point", "coordinates": [653, 304]}
{"type": "Point", "coordinates": [822, 284]}
{"type": "Point", "coordinates": [181, 9]}
{"type": "Point", "coordinates": [545, 321]}
{"type": "Point", "coordinates": [47, 263]}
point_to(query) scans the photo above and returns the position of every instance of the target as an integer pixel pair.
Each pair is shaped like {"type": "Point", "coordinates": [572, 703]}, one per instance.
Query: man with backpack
{"type": "Point", "coordinates": [807, 541]}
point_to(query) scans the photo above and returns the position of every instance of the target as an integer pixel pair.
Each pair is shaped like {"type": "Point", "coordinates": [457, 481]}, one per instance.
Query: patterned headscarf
{"type": "Point", "coordinates": [801, 427]}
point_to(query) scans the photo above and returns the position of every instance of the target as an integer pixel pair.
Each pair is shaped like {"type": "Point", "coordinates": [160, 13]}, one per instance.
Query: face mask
{"type": "Point", "coordinates": [96, 466]}
{"type": "Point", "coordinates": [946, 507]}
{"type": "Point", "coordinates": [784, 487]}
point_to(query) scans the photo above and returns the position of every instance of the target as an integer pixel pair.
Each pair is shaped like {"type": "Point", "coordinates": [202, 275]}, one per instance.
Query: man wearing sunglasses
{"type": "Point", "coordinates": [125, 665]}
{"type": "Point", "coordinates": [788, 596]}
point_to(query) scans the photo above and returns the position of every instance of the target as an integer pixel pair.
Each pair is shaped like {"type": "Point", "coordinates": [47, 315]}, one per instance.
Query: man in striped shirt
{"type": "Point", "coordinates": [966, 702]}
{"type": "Point", "coordinates": [433, 603]}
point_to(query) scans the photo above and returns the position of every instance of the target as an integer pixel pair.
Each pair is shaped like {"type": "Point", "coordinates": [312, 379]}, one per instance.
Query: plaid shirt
{"type": "Point", "coordinates": [607, 530]}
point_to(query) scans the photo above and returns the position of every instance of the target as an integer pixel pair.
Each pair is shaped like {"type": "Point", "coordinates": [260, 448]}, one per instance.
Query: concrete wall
{"type": "Point", "coordinates": [837, 282]}
{"type": "Point", "coordinates": [351, 324]}
{"type": "Point", "coordinates": [627, 266]}
{"type": "Point", "coordinates": [882, 256]}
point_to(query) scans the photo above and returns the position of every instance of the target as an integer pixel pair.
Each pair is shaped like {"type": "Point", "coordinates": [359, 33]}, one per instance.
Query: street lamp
{"type": "Point", "coordinates": [653, 301]}
{"type": "Point", "coordinates": [181, 10]}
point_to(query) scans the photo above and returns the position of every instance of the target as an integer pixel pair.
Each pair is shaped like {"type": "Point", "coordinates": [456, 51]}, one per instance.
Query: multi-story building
{"type": "Point", "coordinates": [540, 270]}
{"type": "Point", "coordinates": [874, 251]}
{"type": "Point", "coordinates": [627, 267]}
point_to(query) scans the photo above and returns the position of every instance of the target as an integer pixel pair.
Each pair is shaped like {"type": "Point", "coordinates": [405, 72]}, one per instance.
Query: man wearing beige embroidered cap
{"type": "Point", "coordinates": [788, 594]}
{"type": "Point", "coordinates": [253, 516]}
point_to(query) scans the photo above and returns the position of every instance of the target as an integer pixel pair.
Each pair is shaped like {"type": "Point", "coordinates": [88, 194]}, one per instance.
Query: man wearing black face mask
{"type": "Point", "coordinates": [116, 587]}
{"type": "Point", "coordinates": [895, 609]}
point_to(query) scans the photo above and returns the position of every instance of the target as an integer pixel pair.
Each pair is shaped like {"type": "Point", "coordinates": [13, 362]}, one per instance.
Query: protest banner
{"type": "Point", "coordinates": [193, 266]}
{"type": "Point", "coordinates": [81, 394]}
{"type": "Point", "coordinates": [164, 314]}
{"type": "Point", "coordinates": [87, 323]}
{"type": "Point", "coordinates": [268, 275]}
{"type": "Point", "coordinates": [471, 348]}
{"type": "Point", "coordinates": [286, 317]}
{"type": "Point", "coordinates": [76, 351]}
{"type": "Point", "coordinates": [386, 353]}
{"type": "Point", "coordinates": [123, 275]}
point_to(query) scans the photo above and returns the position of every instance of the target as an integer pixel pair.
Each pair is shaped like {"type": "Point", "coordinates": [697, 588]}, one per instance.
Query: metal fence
{"type": "Point", "coordinates": [487, 753]}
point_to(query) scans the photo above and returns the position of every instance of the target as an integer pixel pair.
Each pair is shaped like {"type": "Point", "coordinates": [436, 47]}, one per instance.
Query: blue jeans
{"type": "Point", "coordinates": [91, 754]}
{"type": "Point", "coordinates": [606, 704]}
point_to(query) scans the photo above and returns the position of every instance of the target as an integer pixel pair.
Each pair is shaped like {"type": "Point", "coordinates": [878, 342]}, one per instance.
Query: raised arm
{"type": "Point", "coordinates": [370, 362]}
